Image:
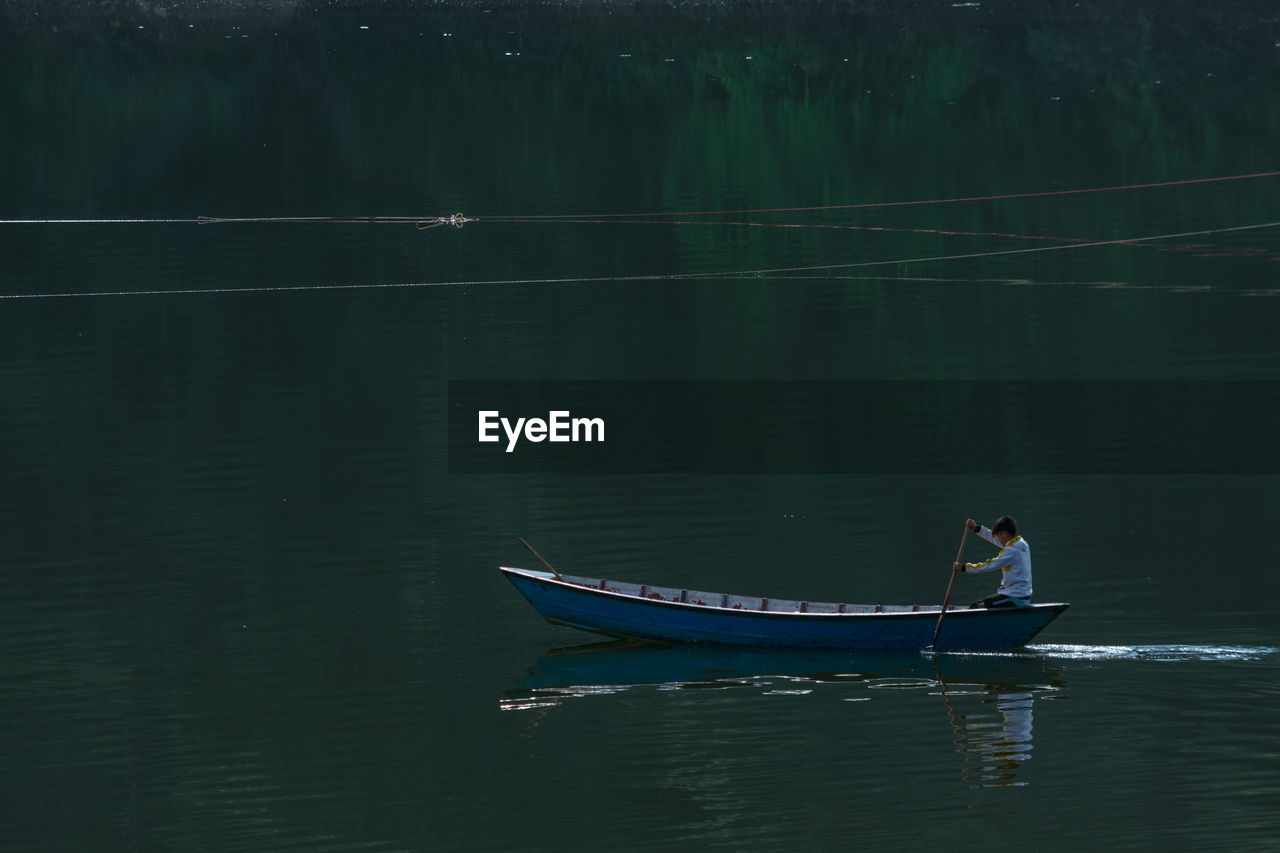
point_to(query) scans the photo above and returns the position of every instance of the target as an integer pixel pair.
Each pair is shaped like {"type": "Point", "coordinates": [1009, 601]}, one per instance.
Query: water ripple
{"type": "Point", "coordinates": [1155, 652]}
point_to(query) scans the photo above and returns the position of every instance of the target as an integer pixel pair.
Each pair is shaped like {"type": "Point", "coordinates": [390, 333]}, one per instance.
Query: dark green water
{"type": "Point", "coordinates": [247, 607]}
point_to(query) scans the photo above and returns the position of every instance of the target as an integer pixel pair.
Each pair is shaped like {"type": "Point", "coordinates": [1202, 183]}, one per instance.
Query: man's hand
{"type": "Point", "coordinates": [957, 567]}
{"type": "Point", "coordinates": [972, 525]}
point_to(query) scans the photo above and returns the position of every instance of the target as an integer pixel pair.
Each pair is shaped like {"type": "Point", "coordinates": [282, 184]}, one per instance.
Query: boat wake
{"type": "Point", "coordinates": [1162, 653]}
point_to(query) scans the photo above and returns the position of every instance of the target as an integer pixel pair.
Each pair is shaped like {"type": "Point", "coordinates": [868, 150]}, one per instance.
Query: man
{"type": "Point", "coordinates": [1013, 561]}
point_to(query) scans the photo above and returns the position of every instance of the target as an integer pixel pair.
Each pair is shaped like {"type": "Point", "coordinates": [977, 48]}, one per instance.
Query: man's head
{"type": "Point", "coordinates": [1004, 529]}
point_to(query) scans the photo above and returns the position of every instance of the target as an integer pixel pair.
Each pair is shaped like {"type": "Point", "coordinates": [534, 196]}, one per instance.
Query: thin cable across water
{"type": "Point", "coordinates": [708, 275]}
{"type": "Point", "coordinates": [458, 219]}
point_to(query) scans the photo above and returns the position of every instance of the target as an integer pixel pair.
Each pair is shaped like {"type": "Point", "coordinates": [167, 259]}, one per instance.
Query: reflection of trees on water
{"type": "Point", "coordinates": [844, 82]}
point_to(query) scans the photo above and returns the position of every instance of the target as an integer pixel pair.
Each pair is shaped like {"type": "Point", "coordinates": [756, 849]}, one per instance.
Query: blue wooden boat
{"type": "Point", "coordinates": [670, 614]}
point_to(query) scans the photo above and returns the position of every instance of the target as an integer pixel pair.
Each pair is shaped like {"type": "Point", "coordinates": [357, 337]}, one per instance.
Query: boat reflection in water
{"type": "Point", "coordinates": [988, 700]}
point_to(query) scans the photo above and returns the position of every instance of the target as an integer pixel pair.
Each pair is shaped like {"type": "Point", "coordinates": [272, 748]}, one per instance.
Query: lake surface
{"type": "Point", "coordinates": [250, 605]}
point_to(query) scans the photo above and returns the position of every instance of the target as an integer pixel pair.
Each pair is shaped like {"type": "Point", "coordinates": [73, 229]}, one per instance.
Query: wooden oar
{"type": "Point", "coordinates": [557, 574]}
{"type": "Point", "coordinates": [947, 599]}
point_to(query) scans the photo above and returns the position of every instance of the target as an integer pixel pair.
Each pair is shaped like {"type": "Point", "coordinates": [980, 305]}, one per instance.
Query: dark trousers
{"type": "Point", "coordinates": [993, 601]}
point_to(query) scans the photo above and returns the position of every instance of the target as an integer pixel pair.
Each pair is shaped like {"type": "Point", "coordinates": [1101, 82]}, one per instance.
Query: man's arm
{"type": "Point", "coordinates": [1000, 562]}
{"type": "Point", "coordinates": [982, 531]}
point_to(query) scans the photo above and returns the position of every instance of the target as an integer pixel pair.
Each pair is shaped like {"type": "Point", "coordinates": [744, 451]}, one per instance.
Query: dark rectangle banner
{"type": "Point", "coordinates": [864, 427]}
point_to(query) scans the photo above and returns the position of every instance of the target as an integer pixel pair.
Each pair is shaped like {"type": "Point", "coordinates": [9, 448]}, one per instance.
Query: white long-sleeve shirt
{"type": "Point", "coordinates": [1013, 561]}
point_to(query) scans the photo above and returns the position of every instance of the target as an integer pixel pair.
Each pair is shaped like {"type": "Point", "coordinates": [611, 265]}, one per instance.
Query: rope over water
{"type": "Point", "coordinates": [458, 220]}
{"type": "Point", "coordinates": [596, 279]}
{"type": "Point", "coordinates": [422, 223]}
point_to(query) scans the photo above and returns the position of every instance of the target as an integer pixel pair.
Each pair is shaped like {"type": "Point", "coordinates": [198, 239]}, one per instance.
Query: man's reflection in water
{"type": "Point", "coordinates": [996, 740]}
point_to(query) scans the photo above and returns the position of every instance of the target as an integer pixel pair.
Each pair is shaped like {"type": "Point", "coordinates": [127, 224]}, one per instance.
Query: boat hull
{"type": "Point", "coordinates": [591, 605]}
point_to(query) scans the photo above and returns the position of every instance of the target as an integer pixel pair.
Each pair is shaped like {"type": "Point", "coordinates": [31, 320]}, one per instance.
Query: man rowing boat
{"type": "Point", "coordinates": [1013, 561]}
